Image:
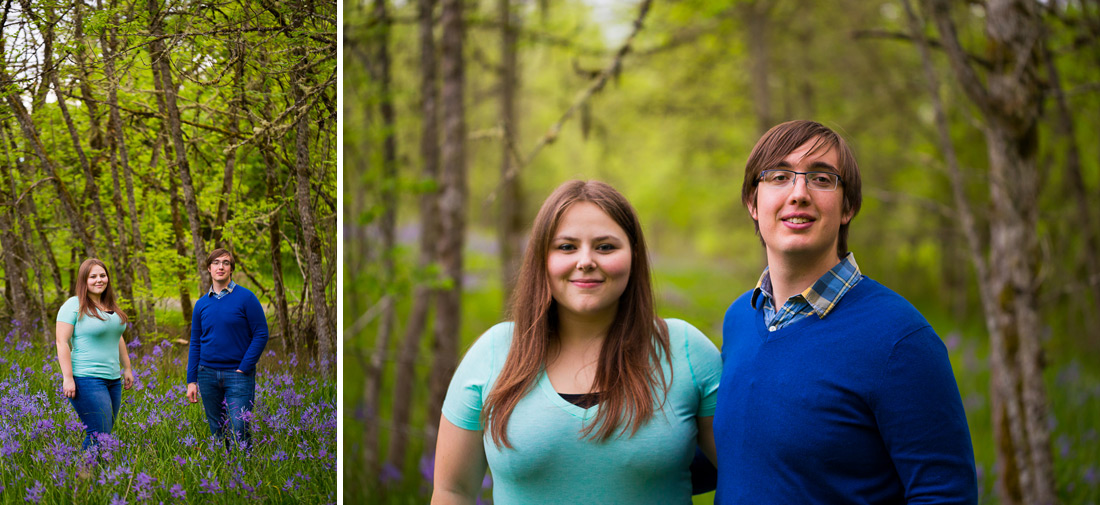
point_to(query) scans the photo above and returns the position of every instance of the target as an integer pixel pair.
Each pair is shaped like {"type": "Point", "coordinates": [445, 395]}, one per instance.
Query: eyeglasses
{"type": "Point", "coordinates": [219, 263]}
{"type": "Point", "coordinates": [782, 178]}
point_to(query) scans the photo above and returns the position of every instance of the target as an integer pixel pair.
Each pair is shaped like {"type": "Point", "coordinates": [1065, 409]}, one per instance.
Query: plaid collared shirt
{"type": "Point", "coordinates": [819, 299]}
{"type": "Point", "coordinates": [225, 291]}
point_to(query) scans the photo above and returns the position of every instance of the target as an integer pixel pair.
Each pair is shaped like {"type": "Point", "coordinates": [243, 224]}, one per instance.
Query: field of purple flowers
{"type": "Point", "coordinates": [161, 450]}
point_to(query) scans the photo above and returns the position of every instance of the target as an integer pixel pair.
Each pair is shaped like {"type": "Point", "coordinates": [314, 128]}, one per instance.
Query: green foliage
{"type": "Point", "coordinates": [205, 48]}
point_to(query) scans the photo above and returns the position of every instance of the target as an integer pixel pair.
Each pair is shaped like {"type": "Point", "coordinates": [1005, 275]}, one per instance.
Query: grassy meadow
{"type": "Point", "coordinates": [161, 450]}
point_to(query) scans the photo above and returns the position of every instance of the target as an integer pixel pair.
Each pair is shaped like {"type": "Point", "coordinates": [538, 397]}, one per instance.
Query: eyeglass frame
{"type": "Point", "coordinates": [805, 176]}
{"type": "Point", "coordinates": [227, 263]}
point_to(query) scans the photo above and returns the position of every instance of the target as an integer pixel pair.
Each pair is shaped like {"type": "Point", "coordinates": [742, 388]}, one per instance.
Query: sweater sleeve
{"type": "Point", "coordinates": [923, 423]}
{"type": "Point", "coordinates": [195, 350]}
{"type": "Point", "coordinates": [257, 324]}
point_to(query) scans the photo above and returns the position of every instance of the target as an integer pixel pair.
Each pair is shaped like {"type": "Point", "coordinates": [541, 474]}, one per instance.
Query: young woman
{"type": "Point", "coordinates": [93, 324]}
{"type": "Point", "coordinates": [586, 396]}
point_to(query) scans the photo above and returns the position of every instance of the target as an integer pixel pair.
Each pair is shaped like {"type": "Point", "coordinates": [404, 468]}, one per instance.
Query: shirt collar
{"type": "Point", "coordinates": [824, 294]}
{"type": "Point", "coordinates": [228, 288]}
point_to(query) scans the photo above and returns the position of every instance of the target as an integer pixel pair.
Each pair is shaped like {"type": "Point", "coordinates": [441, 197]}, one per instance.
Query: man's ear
{"type": "Point", "coordinates": [752, 207]}
{"type": "Point", "coordinates": [848, 214]}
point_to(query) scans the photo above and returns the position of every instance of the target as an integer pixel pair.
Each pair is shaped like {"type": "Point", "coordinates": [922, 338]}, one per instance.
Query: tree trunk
{"type": "Point", "coordinates": [91, 189]}
{"type": "Point", "coordinates": [275, 236]}
{"type": "Point", "coordinates": [311, 242]}
{"type": "Point", "coordinates": [1089, 261]}
{"type": "Point", "coordinates": [32, 212]}
{"type": "Point", "coordinates": [95, 137]}
{"type": "Point", "coordinates": [423, 295]}
{"type": "Point", "coordinates": [372, 392]}
{"type": "Point", "coordinates": [123, 268]}
{"type": "Point", "coordinates": [235, 50]}
{"type": "Point", "coordinates": [15, 282]}
{"type": "Point", "coordinates": [452, 210]}
{"type": "Point", "coordinates": [755, 16]}
{"type": "Point", "coordinates": [510, 221]}
{"type": "Point", "coordinates": [181, 247]}
{"type": "Point", "coordinates": [162, 80]}
{"type": "Point", "coordinates": [1010, 103]}
{"type": "Point", "coordinates": [76, 222]}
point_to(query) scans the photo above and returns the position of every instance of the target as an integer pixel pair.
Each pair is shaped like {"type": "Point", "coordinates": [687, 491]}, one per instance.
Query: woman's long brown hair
{"type": "Point", "coordinates": [106, 299]}
{"type": "Point", "coordinates": [628, 374]}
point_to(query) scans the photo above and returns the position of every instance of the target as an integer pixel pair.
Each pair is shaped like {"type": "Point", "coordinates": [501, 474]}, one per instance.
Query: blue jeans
{"type": "Point", "coordinates": [96, 402]}
{"type": "Point", "coordinates": [227, 396]}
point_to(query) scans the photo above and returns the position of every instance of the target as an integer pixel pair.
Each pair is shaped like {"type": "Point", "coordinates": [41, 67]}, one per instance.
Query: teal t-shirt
{"type": "Point", "coordinates": [94, 342]}
{"type": "Point", "coordinates": [551, 463]}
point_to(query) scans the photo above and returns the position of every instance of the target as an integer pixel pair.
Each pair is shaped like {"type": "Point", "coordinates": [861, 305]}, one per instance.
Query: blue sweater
{"type": "Point", "coordinates": [226, 334]}
{"type": "Point", "coordinates": [858, 407]}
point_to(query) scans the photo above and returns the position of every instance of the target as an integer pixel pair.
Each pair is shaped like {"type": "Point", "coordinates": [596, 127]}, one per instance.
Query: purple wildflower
{"type": "Point", "coordinates": [390, 473]}
{"type": "Point", "coordinates": [210, 486]}
{"type": "Point", "coordinates": [10, 447]}
{"type": "Point", "coordinates": [427, 467]}
{"type": "Point", "coordinates": [34, 493]}
{"type": "Point", "coordinates": [177, 492]}
{"type": "Point", "coordinates": [179, 460]}
{"type": "Point", "coordinates": [115, 500]}
{"type": "Point", "coordinates": [279, 455]}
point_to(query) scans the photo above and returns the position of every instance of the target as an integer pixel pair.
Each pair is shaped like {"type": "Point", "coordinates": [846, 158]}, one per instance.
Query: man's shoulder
{"type": "Point", "coordinates": [877, 306]}
{"type": "Point", "coordinates": [244, 295]}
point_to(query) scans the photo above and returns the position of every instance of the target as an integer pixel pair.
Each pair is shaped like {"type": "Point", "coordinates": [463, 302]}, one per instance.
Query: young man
{"type": "Point", "coordinates": [834, 388]}
{"type": "Point", "coordinates": [228, 334]}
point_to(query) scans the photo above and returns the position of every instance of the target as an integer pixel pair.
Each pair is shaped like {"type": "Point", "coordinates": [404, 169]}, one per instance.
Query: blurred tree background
{"type": "Point", "coordinates": [148, 133]}
{"type": "Point", "coordinates": [974, 124]}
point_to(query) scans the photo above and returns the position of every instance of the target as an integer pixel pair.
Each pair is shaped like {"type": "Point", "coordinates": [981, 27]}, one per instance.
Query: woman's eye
{"type": "Point", "coordinates": [605, 248]}
{"type": "Point", "coordinates": [566, 247]}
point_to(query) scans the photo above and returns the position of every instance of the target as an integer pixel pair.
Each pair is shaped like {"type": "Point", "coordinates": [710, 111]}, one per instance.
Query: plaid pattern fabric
{"type": "Point", "coordinates": [225, 291]}
{"type": "Point", "coordinates": [819, 299]}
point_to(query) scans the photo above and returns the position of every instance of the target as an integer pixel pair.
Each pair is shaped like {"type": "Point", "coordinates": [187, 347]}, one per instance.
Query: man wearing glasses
{"type": "Point", "coordinates": [834, 388]}
{"type": "Point", "coordinates": [228, 335]}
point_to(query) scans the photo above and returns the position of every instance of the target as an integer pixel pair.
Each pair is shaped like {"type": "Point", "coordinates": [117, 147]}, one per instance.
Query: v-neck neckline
{"type": "Point", "coordinates": [555, 398]}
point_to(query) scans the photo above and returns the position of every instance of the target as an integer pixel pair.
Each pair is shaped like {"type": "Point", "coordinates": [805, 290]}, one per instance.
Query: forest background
{"type": "Point", "coordinates": [146, 134]}
{"type": "Point", "coordinates": [974, 124]}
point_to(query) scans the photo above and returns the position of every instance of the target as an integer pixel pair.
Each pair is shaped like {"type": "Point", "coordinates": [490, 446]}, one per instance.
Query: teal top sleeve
{"type": "Point", "coordinates": [705, 363]}
{"type": "Point", "coordinates": [470, 383]}
{"type": "Point", "coordinates": [94, 342]}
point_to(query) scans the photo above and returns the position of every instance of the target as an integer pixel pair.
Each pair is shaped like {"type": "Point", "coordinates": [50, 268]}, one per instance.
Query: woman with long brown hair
{"type": "Point", "coordinates": [586, 396]}
{"type": "Point", "coordinates": [91, 350]}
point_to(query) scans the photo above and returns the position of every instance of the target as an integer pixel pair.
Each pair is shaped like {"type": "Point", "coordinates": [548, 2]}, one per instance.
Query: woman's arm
{"type": "Point", "coordinates": [65, 358]}
{"type": "Point", "coordinates": [459, 465]}
{"type": "Point", "coordinates": [124, 358]}
{"type": "Point", "coordinates": [706, 438]}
